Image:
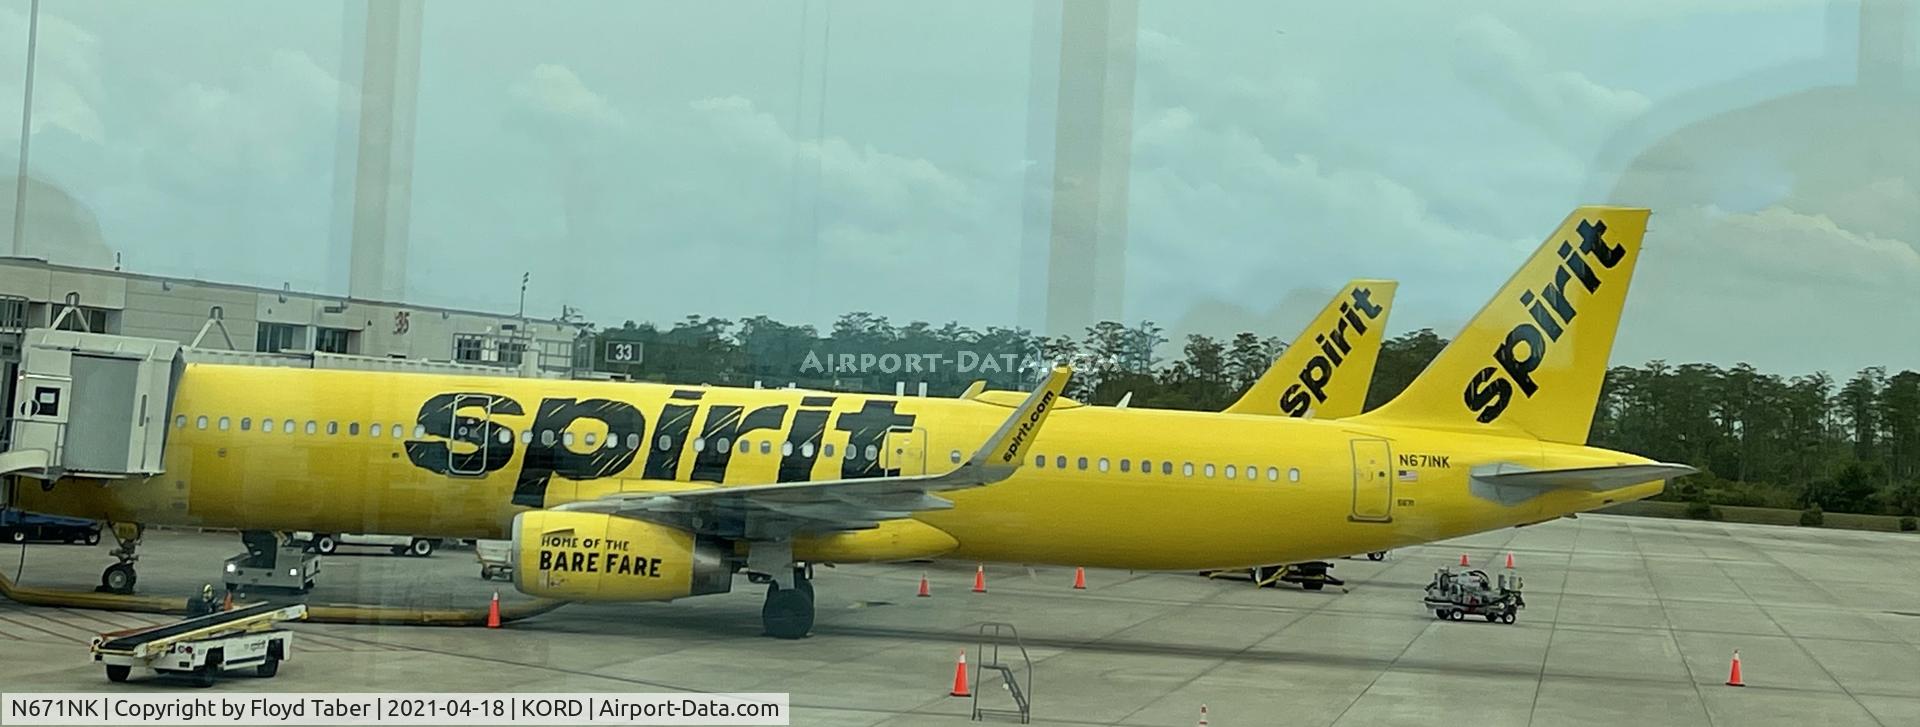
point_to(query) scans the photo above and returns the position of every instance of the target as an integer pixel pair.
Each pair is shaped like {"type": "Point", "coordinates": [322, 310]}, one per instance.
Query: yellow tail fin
{"type": "Point", "coordinates": [1532, 361]}
{"type": "Point", "coordinates": [1325, 372]}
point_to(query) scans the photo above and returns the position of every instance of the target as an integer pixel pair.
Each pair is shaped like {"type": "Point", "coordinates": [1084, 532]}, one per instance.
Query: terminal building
{"type": "Point", "coordinates": [246, 324]}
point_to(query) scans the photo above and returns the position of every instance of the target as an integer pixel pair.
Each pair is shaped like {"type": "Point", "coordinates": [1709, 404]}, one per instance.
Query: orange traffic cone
{"type": "Point", "coordinates": [925, 590]}
{"type": "Point", "coordinates": [1203, 715]}
{"type": "Point", "coordinates": [1509, 561]}
{"type": "Point", "coordinates": [960, 677]}
{"type": "Point", "coordinates": [1733, 674]}
{"type": "Point", "coordinates": [1463, 560]}
{"type": "Point", "coordinates": [227, 604]}
{"type": "Point", "coordinates": [1080, 579]}
{"type": "Point", "coordinates": [979, 579]}
{"type": "Point", "coordinates": [493, 611]}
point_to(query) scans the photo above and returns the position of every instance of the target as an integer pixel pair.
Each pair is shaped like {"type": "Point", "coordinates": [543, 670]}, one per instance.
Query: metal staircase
{"type": "Point", "coordinates": [1017, 678]}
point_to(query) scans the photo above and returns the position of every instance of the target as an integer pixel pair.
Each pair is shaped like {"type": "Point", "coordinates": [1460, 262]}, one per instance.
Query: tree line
{"type": "Point", "coordinates": [1760, 439]}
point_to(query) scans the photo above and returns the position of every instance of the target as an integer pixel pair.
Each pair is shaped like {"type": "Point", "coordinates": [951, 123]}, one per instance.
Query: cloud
{"type": "Point", "coordinates": [1785, 290]}
{"type": "Point", "coordinates": [556, 90]}
{"type": "Point", "coordinates": [66, 82]}
{"type": "Point", "coordinates": [1565, 105]}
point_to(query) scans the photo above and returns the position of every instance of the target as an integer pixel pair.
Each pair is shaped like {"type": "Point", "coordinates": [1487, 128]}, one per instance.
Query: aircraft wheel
{"type": "Point", "coordinates": [203, 677]}
{"type": "Point", "coordinates": [788, 613]}
{"type": "Point", "coordinates": [119, 578]}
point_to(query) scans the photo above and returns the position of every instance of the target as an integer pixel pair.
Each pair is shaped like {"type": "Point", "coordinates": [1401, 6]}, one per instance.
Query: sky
{"type": "Point", "coordinates": [805, 159]}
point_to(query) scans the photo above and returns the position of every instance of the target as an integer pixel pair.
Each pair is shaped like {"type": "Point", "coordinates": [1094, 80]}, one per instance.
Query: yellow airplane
{"type": "Point", "coordinates": [624, 491]}
{"type": "Point", "coordinates": [1325, 372]}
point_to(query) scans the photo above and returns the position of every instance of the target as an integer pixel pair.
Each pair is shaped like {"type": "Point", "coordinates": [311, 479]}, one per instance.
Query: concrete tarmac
{"type": "Point", "coordinates": [1629, 621]}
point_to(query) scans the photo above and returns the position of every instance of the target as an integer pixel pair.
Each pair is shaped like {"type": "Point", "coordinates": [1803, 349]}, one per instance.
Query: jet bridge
{"type": "Point", "coordinates": [89, 405]}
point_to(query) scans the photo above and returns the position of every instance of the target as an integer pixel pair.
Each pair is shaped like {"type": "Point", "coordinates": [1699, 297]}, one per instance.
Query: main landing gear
{"type": "Point", "coordinates": [788, 612]}
{"type": "Point", "coordinates": [121, 577]}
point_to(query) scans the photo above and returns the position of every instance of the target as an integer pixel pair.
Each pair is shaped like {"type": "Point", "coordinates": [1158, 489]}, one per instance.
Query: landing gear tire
{"type": "Point", "coordinates": [117, 674]}
{"type": "Point", "coordinates": [788, 612]}
{"type": "Point", "coordinates": [267, 668]}
{"type": "Point", "coordinates": [119, 578]}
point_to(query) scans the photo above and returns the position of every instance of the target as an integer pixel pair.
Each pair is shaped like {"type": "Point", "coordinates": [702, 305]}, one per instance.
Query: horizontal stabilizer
{"type": "Point", "coordinates": [1583, 478]}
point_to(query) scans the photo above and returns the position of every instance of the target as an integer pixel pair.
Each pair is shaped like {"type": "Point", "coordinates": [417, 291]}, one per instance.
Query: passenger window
{"type": "Point", "coordinates": [200, 422]}
{"type": "Point", "coordinates": [745, 446]}
{"type": "Point", "coordinates": [1186, 470]}
{"type": "Point", "coordinates": [1209, 469]}
{"type": "Point", "coordinates": [1040, 461]}
{"type": "Point", "coordinates": [313, 426]}
{"type": "Point", "coordinates": [1146, 467]}
{"type": "Point", "coordinates": [1103, 464]}
{"type": "Point", "coordinates": [1124, 463]}
{"type": "Point", "coordinates": [246, 424]}
{"type": "Point", "coordinates": [266, 425]}
{"type": "Point", "coordinates": [180, 422]}
{"type": "Point", "coordinates": [1083, 464]}
{"type": "Point", "coordinates": [633, 441]}
{"type": "Point", "coordinates": [852, 452]}
{"type": "Point", "coordinates": [1166, 467]}
{"type": "Point", "coordinates": [503, 435]}
{"type": "Point", "coordinates": [396, 429]}
{"type": "Point", "coordinates": [353, 429]}
{"type": "Point", "coordinates": [1060, 461]}
{"type": "Point", "coordinates": [526, 437]}
{"type": "Point", "coordinates": [333, 428]}
{"type": "Point", "coordinates": [722, 444]}
{"type": "Point", "coordinates": [786, 449]}
{"type": "Point", "coordinates": [373, 430]}
{"type": "Point", "coordinates": [806, 450]}
{"type": "Point", "coordinates": [955, 456]}
{"type": "Point", "coordinates": [1230, 472]}
{"type": "Point", "coordinates": [699, 443]}
{"type": "Point", "coordinates": [223, 424]}
{"type": "Point", "coordinates": [566, 438]}
{"type": "Point", "coordinates": [826, 450]}
{"type": "Point", "coordinates": [1293, 474]}
{"type": "Point", "coordinates": [593, 440]}
{"type": "Point", "coordinates": [873, 453]}
{"type": "Point", "coordinates": [666, 442]}
{"type": "Point", "coordinates": [546, 437]}
{"type": "Point", "coordinates": [1273, 474]}
{"type": "Point", "coordinates": [766, 446]}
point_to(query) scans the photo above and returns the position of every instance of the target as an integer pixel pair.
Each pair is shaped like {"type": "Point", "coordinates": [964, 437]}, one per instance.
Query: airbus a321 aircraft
{"type": "Point", "coordinates": [642, 492]}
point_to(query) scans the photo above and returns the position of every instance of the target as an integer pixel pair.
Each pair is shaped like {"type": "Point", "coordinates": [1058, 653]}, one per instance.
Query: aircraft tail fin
{"type": "Point", "coordinates": [1531, 363]}
{"type": "Point", "coordinates": [1324, 373]}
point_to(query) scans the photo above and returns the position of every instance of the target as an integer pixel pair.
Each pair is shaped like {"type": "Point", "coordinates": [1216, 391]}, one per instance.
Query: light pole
{"type": "Point", "coordinates": [26, 132]}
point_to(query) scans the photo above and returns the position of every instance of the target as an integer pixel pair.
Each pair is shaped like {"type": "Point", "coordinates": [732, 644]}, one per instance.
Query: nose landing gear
{"type": "Point", "coordinates": [121, 577]}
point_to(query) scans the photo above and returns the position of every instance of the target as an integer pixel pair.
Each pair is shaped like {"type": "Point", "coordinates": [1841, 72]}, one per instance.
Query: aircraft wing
{"type": "Point", "coordinates": [1584, 478]}
{"type": "Point", "coordinates": [775, 510]}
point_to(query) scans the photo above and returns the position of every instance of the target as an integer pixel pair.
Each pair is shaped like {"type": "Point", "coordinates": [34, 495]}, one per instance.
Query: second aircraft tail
{"type": "Point", "coordinates": [1325, 371]}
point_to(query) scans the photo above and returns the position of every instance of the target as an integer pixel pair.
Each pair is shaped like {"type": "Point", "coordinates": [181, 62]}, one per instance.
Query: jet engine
{"type": "Point", "coordinates": [583, 556]}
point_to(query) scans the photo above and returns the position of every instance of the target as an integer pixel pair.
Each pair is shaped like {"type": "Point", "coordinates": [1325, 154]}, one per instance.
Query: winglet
{"type": "Point", "coordinates": [1009, 444]}
{"type": "Point", "coordinates": [974, 389]}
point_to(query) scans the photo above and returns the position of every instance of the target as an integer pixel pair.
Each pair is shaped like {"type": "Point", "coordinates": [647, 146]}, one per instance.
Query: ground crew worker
{"type": "Point", "coordinates": [203, 605]}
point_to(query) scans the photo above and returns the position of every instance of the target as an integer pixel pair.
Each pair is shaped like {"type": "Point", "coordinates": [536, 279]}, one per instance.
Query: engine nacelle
{"type": "Point", "coordinates": [585, 556]}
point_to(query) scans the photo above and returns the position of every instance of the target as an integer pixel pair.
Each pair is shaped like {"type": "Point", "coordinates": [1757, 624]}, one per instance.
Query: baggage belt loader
{"type": "Point", "coordinates": [203, 646]}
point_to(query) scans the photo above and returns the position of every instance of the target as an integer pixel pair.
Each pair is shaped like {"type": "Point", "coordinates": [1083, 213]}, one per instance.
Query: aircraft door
{"type": "Point", "coordinates": [470, 413]}
{"type": "Point", "coordinates": [1372, 481]}
{"type": "Point", "coordinates": [906, 451]}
